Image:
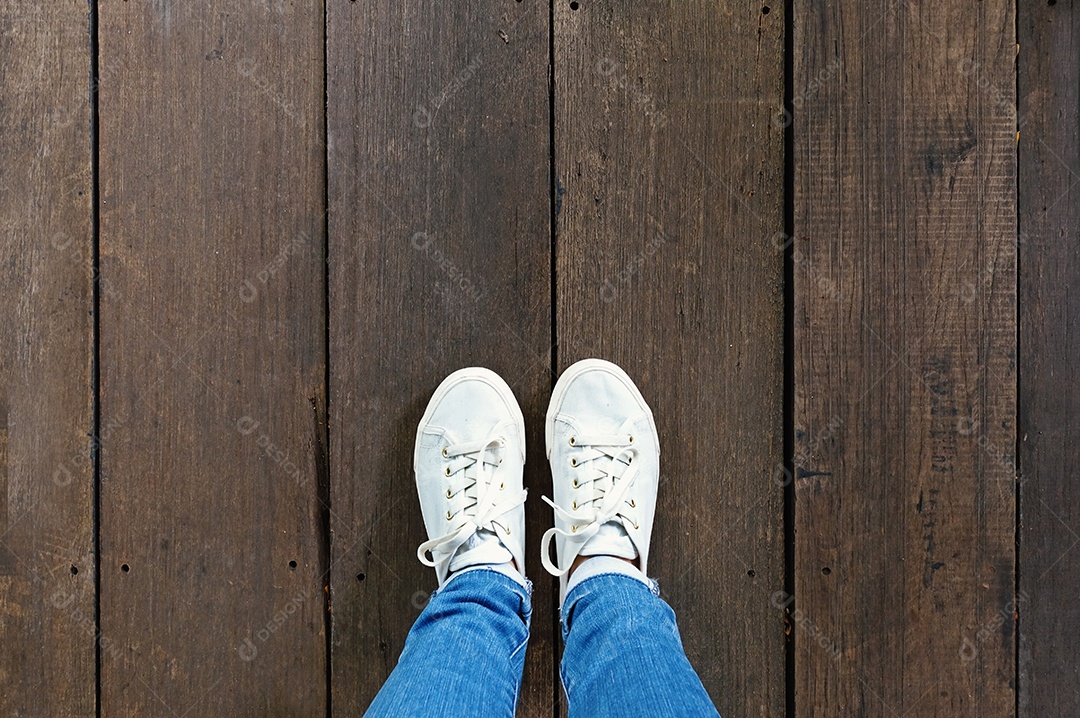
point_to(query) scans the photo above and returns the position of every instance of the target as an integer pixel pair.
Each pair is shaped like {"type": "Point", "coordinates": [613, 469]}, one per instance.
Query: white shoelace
{"type": "Point", "coordinates": [604, 472]}
{"type": "Point", "coordinates": [478, 499]}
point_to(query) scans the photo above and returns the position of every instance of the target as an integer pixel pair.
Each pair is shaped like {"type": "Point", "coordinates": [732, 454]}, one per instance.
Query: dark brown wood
{"type": "Point", "coordinates": [913, 383]}
{"type": "Point", "coordinates": [212, 358]}
{"type": "Point", "coordinates": [440, 258]}
{"type": "Point", "coordinates": [669, 148]}
{"type": "Point", "coordinates": [46, 341]}
{"type": "Point", "coordinates": [904, 358]}
{"type": "Point", "coordinates": [1049, 151]}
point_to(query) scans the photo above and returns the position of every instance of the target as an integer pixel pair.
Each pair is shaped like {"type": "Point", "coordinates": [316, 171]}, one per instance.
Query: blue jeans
{"type": "Point", "coordinates": [466, 652]}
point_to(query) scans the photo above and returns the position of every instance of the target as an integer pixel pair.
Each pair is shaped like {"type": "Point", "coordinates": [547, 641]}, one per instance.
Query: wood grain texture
{"type": "Point", "coordinates": [669, 151]}
{"type": "Point", "coordinates": [46, 350]}
{"type": "Point", "coordinates": [212, 358]}
{"type": "Point", "coordinates": [1049, 249]}
{"type": "Point", "coordinates": [440, 258]}
{"type": "Point", "coordinates": [904, 358]}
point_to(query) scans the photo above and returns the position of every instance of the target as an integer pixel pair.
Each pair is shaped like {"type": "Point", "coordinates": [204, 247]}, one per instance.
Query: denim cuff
{"type": "Point", "coordinates": [611, 584]}
{"type": "Point", "coordinates": [502, 569]}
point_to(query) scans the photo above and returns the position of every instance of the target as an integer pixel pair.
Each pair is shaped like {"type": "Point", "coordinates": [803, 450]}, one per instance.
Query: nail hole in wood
{"type": "Point", "coordinates": [124, 567]}
{"type": "Point", "coordinates": [751, 573]}
{"type": "Point", "coordinates": [361, 576]}
{"type": "Point", "coordinates": [826, 570]}
{"type": "Point", "coordinates": [74, 569]}
{"type": "Point", "coordinates": [292, 565]}
{"type": "Point", "coordinates": [765, 10]}
{"type": "Point", "coordinates": [574, 5]}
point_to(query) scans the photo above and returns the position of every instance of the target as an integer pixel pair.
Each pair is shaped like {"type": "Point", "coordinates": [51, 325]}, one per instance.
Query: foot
{"type": "Point", "coordinates": [469, 457]}
{"type": "Point", "coordinates": [605, 467]}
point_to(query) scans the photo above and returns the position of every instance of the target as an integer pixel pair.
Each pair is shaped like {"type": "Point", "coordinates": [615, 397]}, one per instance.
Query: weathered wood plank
{"type": "Point", "coordinates": [440, 258]}
{"type": "Point", "coordinates": [47, 591]}
{"type": "Point", "coordinates": [1049, 148]}
{"type": "Point", "coordinates": [212, 358]}
{"type": "Point", "coordinates": [669, 146]}
{"type": "Point", "coordinates": [905, 351]}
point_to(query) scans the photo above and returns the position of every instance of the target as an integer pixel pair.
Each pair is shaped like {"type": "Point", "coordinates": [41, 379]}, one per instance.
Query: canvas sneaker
{"type": "Point", "coordinates": [469, 458]}
{"type": "Point", "coordinates": [605, 467]}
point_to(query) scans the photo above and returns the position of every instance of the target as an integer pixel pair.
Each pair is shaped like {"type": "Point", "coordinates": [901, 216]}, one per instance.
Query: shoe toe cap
{"type": "Point", "coordinates": [474, 408]}
{"type": "Point", "coordinates": [601, 400]}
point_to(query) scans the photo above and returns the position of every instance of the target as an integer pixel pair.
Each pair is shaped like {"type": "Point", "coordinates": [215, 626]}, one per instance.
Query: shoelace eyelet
{"type": "Point", "coordinates": [574, 505]}
{"type": "Point", "coordinates": [449, 516]}
{"type": "Point", "coordinates": [576, 485]}
{"type": "Point", "coordinates": [572, 441]}
{"type": "Point", "coordinates": [573, 461]}
{"type": "Point", "coordinates": [444, 453]}
{"type": "Point", "coordinates": [573, 529]}
{"type": "Point", "coordinates": [631, 438]}
{"type": "Point", "coordinates": [502, 485]}
{"type": "Point", "coordinates": [448, 494]}
{"type": "Point", "coordinates": [633, 503]}
{"type": "Point", "coordinates": [447, 470]}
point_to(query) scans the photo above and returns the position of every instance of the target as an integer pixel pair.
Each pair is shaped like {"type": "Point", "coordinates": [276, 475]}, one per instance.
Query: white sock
{"type": "Point", "coordinates": [597, 565]}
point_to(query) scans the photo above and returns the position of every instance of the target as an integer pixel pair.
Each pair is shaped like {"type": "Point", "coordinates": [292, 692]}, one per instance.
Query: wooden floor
{"type": "Point", "coordinates": [835, 243]}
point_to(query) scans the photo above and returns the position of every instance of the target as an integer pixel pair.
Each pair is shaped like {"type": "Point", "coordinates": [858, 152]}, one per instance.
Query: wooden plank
{"type": "Point", "coordinates": [46, 352]}
{"type": "Point", "coordinates": [1049, 207]}
{"type": "Point", "coordinates": [670, 151]}
{"type": "Point", "coordinates": [440, 258]}
{"type": "Point", "coordinates": [905, 349]}
{"type": "Point", "coordinates": [212, 358]}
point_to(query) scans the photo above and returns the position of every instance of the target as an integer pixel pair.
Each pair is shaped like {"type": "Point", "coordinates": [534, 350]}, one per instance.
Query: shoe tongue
{"type": "Point", "coordinates": [481, 548]}
{"type": "Point", "coordinates": [611, 539]}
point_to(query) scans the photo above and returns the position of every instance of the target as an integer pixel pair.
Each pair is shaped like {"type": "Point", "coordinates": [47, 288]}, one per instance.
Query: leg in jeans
{"type": "Point", "coordinates": [465, 654]}
{"type": "Point", "coordinates": [623, 655]}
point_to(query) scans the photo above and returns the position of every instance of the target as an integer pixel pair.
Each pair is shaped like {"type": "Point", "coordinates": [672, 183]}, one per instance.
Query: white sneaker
{"type": "Point", "coordinates": [605, 467]}
{"type": "Point", "coordinates": [469, 458]}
